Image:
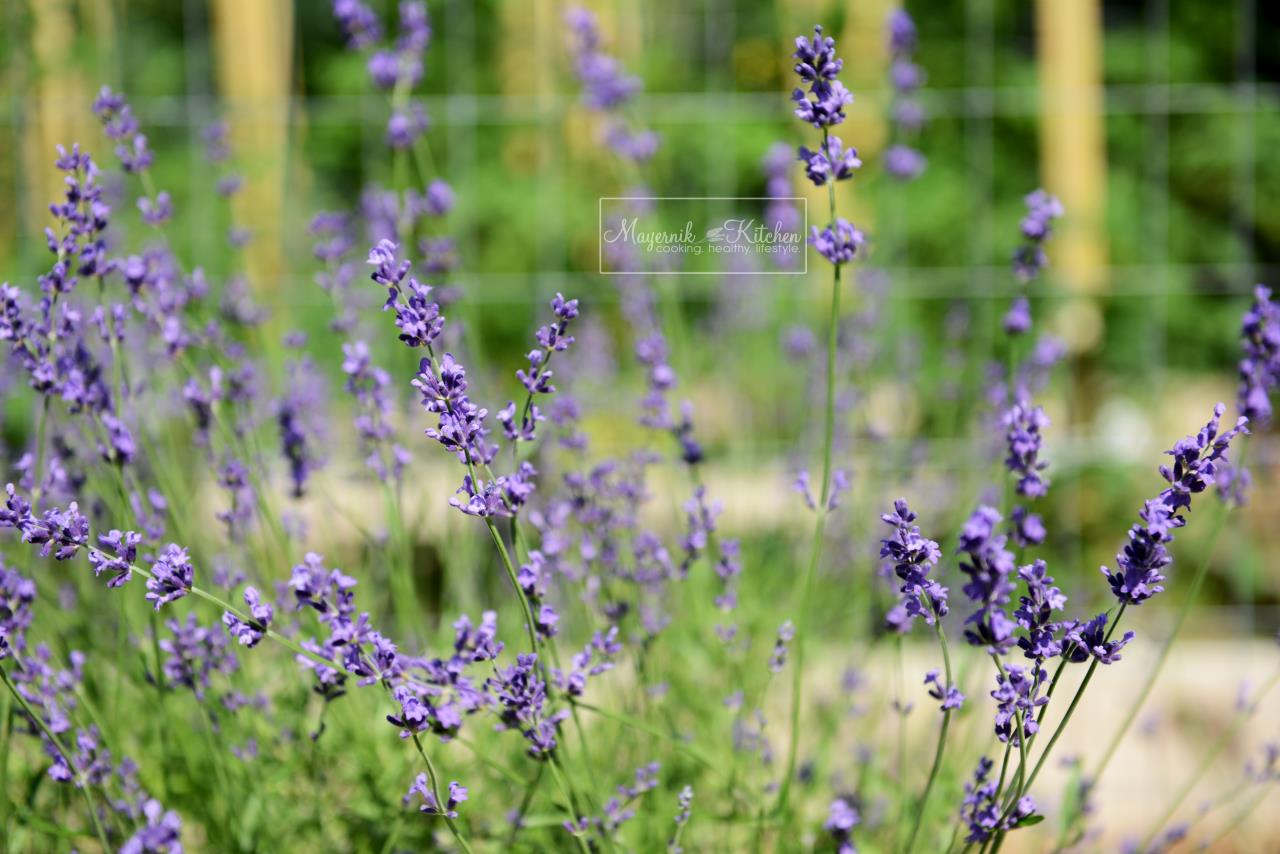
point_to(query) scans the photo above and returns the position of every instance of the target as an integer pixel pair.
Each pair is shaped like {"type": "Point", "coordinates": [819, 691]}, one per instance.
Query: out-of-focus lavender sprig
{"type": "Point", "coordinates": [1260, 366]}
{"type": "Point", "coordinates": [1029, 259]}
{"type": "Point", "coordinates": [902, 161]}
{"type": "Point", "coordinates": [300, 418]}
{"type": "Point", "coordinates": [1259, 371]}
{"type": "Point", "coordinates": [607, 89]}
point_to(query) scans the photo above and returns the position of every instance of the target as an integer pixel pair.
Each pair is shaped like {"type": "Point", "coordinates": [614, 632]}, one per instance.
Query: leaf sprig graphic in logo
{"type": "Point", "coordinates": [716, 235]}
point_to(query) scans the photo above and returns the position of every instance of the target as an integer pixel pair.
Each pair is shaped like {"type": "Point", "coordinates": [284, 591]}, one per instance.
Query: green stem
{"type": "Point", "coordinates": [529, 791]}
{"type": "Point", "coordinates": [1237, 819]}
{"type": "Point", "coordinates": [1017, 792]}
{"type": "Point", "coordinates": [6, 732]}
{"type": "Point", "coordinates": [566, 793]}
{"type": "Point", "coordinates": [441, 805]}
{"type": "Point", "coordinates": [942, 738]}
{"type": "Point", "coordinates": [819, 527]}
{"type": "Point", "coordinates": [38, 472]}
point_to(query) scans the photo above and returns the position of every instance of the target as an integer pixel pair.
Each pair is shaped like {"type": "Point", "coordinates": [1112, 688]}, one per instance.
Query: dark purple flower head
{"type": "Point", "coordinates": [1026, 528]}
{"type": "Point", "coordinates": [1195, 460]}
{"type": "Point", "coordinates": [1035, 612]}
{"type": "Point", "coordinates": [59, 532]}
{"type": "Point", "coordinates": [1086, 640]}
{"type": "Point", "coordinates": [406, 125]}
{"type": "Point", "coordinates": [1139, 568]}
{"type": "Point", "coordinates": [1018, 693]}
{"type": "Point", "coordinates": [824, 105]}
{"type": "Point", "coordinates": [816, 57]}
{"type": "Point", "coordinates": [913, 555]}
{"type": "Point", "coordinates": [1029, 258]}
{"type": "Point", "coordinates": [522, 697]}
{"type": "Point", "coordinates": [421, 787]}
{"type": "Point", "coordinates": [17, 595]}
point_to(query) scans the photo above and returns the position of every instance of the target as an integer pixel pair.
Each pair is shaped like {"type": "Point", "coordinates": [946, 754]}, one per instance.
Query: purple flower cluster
{"type": "Point", "coordinates": [816, 64]}
{"type": "Point", "coordinates": [421, 787]}
{"type": "Point", "coordinates": [913, 555]}
{"type": "Point", "coordinates": [193, 653]}
{"type": "Point", "coordinates": [1017, 697]}
{"type": "Point", "coordinates": [521, 695]}
{"type": "Point", "coordinates": [440, 694]}
{"type": "Point", "coordinates": [838, 243]}
{"type": "Point", "coordinates": [352, 642]}
{"type": "Point", "coordinates": [831, 162]}
{"type": "Point", "coordinates": [121, 126]}
{"type": "Point", "coordinates": [171, 576]}
{"type": "Point", "coordinates": [418, 316]}
{"type": "Point", "coordinates": [989, 567]}
{"type": "Point", "coordinates": [949, 695]}
{"type": "Point", "coordinates": [1139, 567]}
{"type": "Point", "coordinates": [595, 658]}
{"type": "Point", "coordinates": [1023, 425]}
{"type": "Point", "coordinates": [981, 810]}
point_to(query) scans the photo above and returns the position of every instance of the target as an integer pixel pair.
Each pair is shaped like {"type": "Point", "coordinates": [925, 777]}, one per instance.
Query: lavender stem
{"type": "Point", "coordinates": [942, 738]}
{"type": "Point", "coordinates": [820, 522]}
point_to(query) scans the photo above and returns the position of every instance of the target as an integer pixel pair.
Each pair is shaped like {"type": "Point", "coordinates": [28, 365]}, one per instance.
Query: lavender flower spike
{"type": "Point", "coordinates": [1139, 567]}
{"type": "Point", "coordinates": [913, 555]}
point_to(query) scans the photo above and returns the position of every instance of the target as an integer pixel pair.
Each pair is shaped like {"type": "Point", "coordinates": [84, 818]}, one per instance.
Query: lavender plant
{"type": "Point", "coordinates": [627, 631]}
